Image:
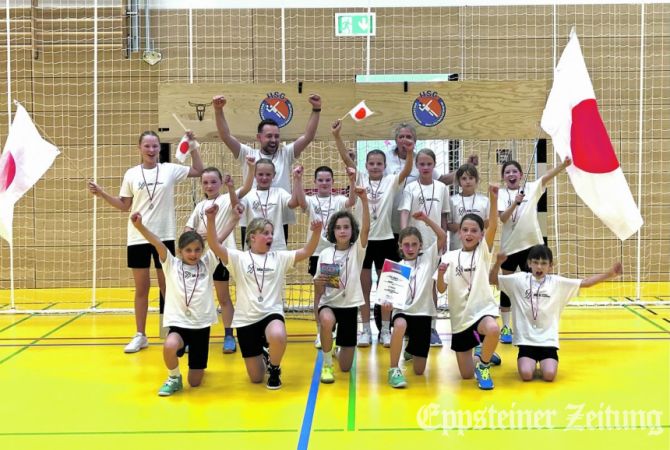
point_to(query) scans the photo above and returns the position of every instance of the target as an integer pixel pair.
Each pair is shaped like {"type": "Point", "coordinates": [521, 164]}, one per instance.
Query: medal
{"type": "Point", "coordinates": [253, 270]}
{"type": "Point", "coordinates": [260, 298]}
{"type": "Point", "coordinates": [188, 298]}
{"type": "Point", "coordinates": [151, 193]}
{"type": "Point", "coordinates": [188, 312]}
{"type": "Point", "coordinates": [151, 206]}
{"type": "Point", "coordinates": [374, 217]}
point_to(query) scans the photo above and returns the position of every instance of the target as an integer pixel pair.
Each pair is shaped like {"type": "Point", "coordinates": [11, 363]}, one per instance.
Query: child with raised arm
{"type": "Point", "coordinates": [212, 181]}
{"type": "Point", "coordinates": [538, 299]}
{"type": "Point", "coordinates": [380, 191]}
{"type": "Point", "coordinates": [337, 284]}
{"type": "Point", "coordinates": [414, 320]}
{"type": "Point", "coordinates": [260, 279]}
{"type": "Point", "coordinates": [322, 206]}
{"type": "Point", "coordinates": [517, 207]}
{"type": "Point", "coordinates": [432, 197]}
{"type": "Point", "coordinates": [272, 203]}
{"type": "Point", "coordinates": [189, 306]}
{"type": "Point", "coordinates": [472, 307]}
{"type": "Point", "coordinates": [148, 188]}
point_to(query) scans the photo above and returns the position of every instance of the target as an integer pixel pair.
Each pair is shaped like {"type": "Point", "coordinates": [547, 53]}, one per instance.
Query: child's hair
{"type": "Point", "coordinates": [467, 169]}
{"type": "Point", "coordinates": [266, 161]}
{"type": "Point", "coordinates": [402, 125]}
{"type": "Point", "coordinates": [264, 122]}
{"type": "Point", "coordinates": [323, 169]}
{"type": "Point", "coordinates": [187, 237]}
{"type": "Point", "coordinates": [540, 251]}
{"type": "Point", "coordinates": [256, 225]}
{"type": "Point", "coordinates": [408, 231]}
{"type": "Point", "coordinates": [213, 170]}
{"type": "Point", "coordinates": [510, 162]}
{"type": "Point", "coordinates": [473, 217]}
{"type": "Point", "coordinates": [375, 152]}
{"type": "Point", "coordinates": [355, 229]}
{"type": "Point", "coordinates": [425, 151]}
{"type": "Point", "coordinates": [148, 133]}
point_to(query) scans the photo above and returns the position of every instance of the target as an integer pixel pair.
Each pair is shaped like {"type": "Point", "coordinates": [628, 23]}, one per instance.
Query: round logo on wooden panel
{"type": "Point", "coordinates": [276, 107]}
{"type": "Point", "coordinates": [429, 109]}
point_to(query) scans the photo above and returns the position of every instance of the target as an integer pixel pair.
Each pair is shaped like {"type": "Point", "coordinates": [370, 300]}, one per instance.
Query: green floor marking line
{"type": "Point", "coordinates": [25, 318]}
{"type": "Point", "coordinates": [27, 346]}
{"type": "Point", "coordinates": [628, 308]}
{"type": "Point", "coordinates": [113, 433]}
{"type": "Point", "coordinates": [351, 416]}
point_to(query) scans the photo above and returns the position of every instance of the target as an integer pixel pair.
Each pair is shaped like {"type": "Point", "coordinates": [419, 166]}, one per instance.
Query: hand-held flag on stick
{"type": "Point", "coordinates": [572, 120]}
{"type": "Point", "coordinates": [25, 158]}
{"type": "Point", "coordinates": [359, 112]}
{"type": "Point", "coordinates": [184, 148]}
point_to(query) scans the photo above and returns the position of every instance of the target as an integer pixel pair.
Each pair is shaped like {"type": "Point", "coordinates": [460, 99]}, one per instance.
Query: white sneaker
{"type": "Point", "coordinates": [364, 339]}
{"type": "Point", "coordinates": [138, 342]}
{"type": "Point", "coordinates": [317, 341]}
{"type": "Point", "coordinates": [385, 338]}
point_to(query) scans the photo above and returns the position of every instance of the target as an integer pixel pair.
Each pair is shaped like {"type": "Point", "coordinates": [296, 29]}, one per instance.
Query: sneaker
{"type": "Point", "coordinates": [327, 376]}
{"type": "Point", "coordinates": [407, 355]}
{"type": "Point", "coordinates": [385, 338]}
{"type": "Point", "coordinates": [229, 345]}
{"type": "Point", "coordinates": [506, 335]}
{"type": "Point", "coordinates": [364, 339]}
{"type": "Point", "coordinates": [274, 382]}
{"type": "Point", "coordinates": [172, 385]}
{"type": "Point", "coordinates": [435, 340]}
{"type": "Point", "coordinates": [483, 375]}
{"type": "Point", "coordinates": [396, 378]}
{"type": "Point", "coordinates": [137, 343]}
{"type": "Point", "coordinates": [495, 358]}
{"type": "Point", "coordinates": [317, 341]}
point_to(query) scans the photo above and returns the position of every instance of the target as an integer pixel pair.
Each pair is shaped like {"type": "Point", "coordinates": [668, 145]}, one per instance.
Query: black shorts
{"type": "Point", "coordinates": [221, 273]}
{"type": "Point", "coordinates": [347, 325]}
{"type": "Point", "coordinates": [252, 337]}
{"type": "Point", "coordinates": [518, 259]}
{"type": "Point", "coordinates": [467, 339]}
{"type": "Point", "coordinates": [418, 334]}
{"type": "Point", "coordinates": [198, 345]}
{"type": "Point", "coordinates": [537, 353]}
{"type": "Point", "coordinates": [311, 267]}
{"type": "Point", "coordinates": [139, 256]}
{"type": "Point", "coordinates": [243, 235]}
{"type": "Point", "coordinates": [378, 251]}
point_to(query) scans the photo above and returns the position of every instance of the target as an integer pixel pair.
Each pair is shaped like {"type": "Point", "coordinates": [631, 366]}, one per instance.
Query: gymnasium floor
{"type": "Point", "coordinates": [68, 385]}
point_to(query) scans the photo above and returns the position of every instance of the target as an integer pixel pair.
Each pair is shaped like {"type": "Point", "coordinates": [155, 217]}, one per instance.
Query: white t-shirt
{"type": "Point", "coordinates": [272, 205]}
{"type": "Point", "coordinates": [259, 284]}
{"type": "Point", "coordinates": [350, 293]}
{"type": "Point", "coordinates": [466, 306]}
{"type": "Point", "coordinates": [420, 297]}
{"type": "Point", "coordinates": [321, 208]}
{"type": "Point", "coordinates": [394, 165]}
{"type": "Point", "coordinates": [433, 199]}
{"type": "Point", "coordinates": [460, 206]}
{"type": "Point", "coordinates": [522, 230]}
{"type": "Point", "coordinates": [155, 187]}
{"type": "Point", "coordinates": [537, 323]}
{"type": "Point", "coordinates": [185, 283]}
{"type": "Point", "coordinates": [283, 160]}
{"type": "Point", "coordinates": [380, 201]}
{"type": "Point", "coordinates": [198, 218]}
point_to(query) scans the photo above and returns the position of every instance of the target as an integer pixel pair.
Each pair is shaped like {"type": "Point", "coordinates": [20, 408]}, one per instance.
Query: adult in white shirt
{"type": "Point", "coordinates": [149, 189]}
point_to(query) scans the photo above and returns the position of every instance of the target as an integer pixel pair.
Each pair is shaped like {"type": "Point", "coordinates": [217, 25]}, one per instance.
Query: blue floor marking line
{"type": "Point", "coordinates": [306, 427]}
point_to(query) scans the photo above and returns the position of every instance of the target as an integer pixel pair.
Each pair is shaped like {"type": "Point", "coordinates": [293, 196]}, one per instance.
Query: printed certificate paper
{"type": "Point", "coordinates": [393, 284]}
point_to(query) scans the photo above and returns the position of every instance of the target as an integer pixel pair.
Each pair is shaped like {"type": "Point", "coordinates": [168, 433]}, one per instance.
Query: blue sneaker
{"type": "Point", "coordinates": [483, 375]}
{"type": "Point", "coordinates": [506, 335]}
{"type": "Point", "coordinates": [495, 358]}
{"type": "Point", "coordinates": [229, 345]}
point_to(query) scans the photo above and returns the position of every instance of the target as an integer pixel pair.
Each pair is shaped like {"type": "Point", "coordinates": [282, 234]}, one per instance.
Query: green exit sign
{"type": "Point", "coordinates": [355, 24]}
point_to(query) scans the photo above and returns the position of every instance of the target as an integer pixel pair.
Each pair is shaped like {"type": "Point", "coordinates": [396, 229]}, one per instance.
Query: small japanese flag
{"type": "Point", "coordinates": [360, 112]}
{"type": "Point", "coordinates": [184, 148]}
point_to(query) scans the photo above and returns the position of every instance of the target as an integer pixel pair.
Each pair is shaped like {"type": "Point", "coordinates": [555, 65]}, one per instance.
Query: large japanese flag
{"type": "Point", "coordinates": [24, 160]}
{"type": "Point", "coordinates": [572, 120]}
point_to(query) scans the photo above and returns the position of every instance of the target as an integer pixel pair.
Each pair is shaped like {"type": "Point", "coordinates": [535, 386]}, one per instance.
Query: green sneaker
{"type": "Point", "coordinates": [172, 385]}
{"type": "Point", "coordinates": [483, 375]}
{"type": "Point", "coordinates": [396, 378]}
{"type": "Point", "coordinates": [327, 376]}
{"type": "Point", "coordinates": [506, 335]}
{"type": "Point", "coordinates": [407, 355]}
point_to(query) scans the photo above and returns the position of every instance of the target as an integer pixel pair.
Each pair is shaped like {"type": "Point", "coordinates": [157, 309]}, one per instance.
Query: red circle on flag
{"type": "Point", "coordinates": [7, 171]}
{"type": "Point", "coordinates": [183, 147]}
{"type": "Point", "coordinates": [360, 114]}
{"type": "Point", "coordinates": [592, 149]}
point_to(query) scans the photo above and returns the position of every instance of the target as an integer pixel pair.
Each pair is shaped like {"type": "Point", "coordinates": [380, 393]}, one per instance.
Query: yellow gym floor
{"type": "Point", "coordinates": [66, 384]}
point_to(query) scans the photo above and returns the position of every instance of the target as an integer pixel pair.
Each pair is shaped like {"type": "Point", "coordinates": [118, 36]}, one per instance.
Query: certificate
{"type": "Point", "coordinates": [393, 284]}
